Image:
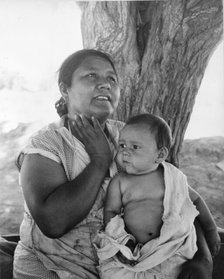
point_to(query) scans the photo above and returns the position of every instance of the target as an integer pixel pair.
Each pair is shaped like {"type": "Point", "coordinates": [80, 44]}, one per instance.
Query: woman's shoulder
{"type": "Point", "coordinates": [51, 130]}
{"type": "Point", "coordinates": [49, 138]}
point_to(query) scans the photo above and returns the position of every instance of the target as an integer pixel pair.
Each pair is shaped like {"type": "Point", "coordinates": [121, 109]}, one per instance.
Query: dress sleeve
{"type": "Point", "coordinates": [47, 143]}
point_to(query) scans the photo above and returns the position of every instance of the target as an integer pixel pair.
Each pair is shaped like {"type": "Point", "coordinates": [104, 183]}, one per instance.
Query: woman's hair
{"type": "Point", "coordinates": [73, 61]}
{"type": "Point", "coordinates": [157, 126]}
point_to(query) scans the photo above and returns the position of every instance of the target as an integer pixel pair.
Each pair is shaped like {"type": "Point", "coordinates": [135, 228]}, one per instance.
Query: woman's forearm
{"type": "Point", "coordinates": [71, 202]}
{"type": "Point", "coordinates": [203, 252]}
{"type": "Point", "coordinates": [205, 217]}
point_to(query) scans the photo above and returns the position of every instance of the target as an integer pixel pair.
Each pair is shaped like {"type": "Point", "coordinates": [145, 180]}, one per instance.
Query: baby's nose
{"type": "Point", "coordinates": [126, 152]}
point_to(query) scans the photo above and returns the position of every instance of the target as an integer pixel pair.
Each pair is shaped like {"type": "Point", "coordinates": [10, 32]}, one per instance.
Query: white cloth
{"type": "Point", "coordinates": [164, 255]}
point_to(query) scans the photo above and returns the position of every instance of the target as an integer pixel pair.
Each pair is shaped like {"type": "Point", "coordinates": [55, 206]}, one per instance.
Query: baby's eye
{"type": "Point", "coordinates": [122, 145]}
{"type": "Point", "coordinates": [135, 146]}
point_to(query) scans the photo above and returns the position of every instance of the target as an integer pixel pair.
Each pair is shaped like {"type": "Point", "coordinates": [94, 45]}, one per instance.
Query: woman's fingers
{"type": "Point", "coordinates": [88, 128]}
{"type": "Point", "coordinates": [83, 126]}
{"type": "Point", "coordinates": [96, 124]}
{"type": "Point", "coordinates": [76, 131]}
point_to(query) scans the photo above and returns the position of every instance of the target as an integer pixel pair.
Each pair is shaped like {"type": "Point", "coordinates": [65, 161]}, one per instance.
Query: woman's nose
{"type": "Point", "coordinates": [104, 84]}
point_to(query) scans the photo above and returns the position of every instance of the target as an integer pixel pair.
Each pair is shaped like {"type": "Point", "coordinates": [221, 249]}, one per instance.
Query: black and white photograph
{"type": "Point", "coordinates": [112, 139]}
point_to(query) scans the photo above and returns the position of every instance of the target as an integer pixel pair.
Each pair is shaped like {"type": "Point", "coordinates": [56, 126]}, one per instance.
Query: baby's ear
{"type": "Point", "coordinates": [162, 154]}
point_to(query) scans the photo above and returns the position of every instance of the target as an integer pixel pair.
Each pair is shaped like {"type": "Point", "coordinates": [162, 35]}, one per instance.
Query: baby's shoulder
{"type": "Point", "coordinates": [119, 180]}
{"type": "Point", "coordinates": [118, 177]}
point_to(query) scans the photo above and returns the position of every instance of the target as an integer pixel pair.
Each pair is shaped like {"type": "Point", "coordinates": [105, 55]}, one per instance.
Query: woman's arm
{"type": "Point", "coordinates": [201, 266]}
{"type": "Point", "coordinates": [207, 222]}
{"type": "Point", "coordinates": [56, 204]}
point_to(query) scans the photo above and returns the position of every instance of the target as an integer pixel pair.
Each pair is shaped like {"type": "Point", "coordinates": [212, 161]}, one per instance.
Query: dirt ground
{"type": "Point", "coordinates": [198, 160]}
{"type": "Point", "coordinates": [202, 160]}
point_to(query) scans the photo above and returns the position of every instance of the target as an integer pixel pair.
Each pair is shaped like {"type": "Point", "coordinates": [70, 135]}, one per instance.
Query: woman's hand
{"type": "Point", "coordinates": [196, 269]}
{"type": "Point", "coordinates": [213, 240]}
{"type": "Point", "coordinates": [201, 266]}
{"type": "Point", "coordinates": [93, 138]}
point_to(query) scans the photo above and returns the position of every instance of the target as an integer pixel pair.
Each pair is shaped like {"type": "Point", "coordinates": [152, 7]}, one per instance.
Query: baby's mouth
{"type": "Point", "coordinates": [125, 162]}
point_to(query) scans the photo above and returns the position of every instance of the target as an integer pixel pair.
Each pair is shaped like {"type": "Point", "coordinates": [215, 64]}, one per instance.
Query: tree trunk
{"type": "Point", "coordinates": [161, 50]}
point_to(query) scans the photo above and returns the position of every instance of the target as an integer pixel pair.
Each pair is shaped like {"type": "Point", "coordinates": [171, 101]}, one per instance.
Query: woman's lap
{"type": "Point", "coordinates": [28, 266]}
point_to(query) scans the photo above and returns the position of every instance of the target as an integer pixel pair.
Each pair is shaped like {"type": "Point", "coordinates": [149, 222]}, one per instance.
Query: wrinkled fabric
{"type": "Point", "coordinates": [32, 267]}
{"type": "Point", "coordinates": [73, 255]}
{"type": "Point", "coordinates": [113, 239]}
{"type": "Point", "coordinates": [162, 256]}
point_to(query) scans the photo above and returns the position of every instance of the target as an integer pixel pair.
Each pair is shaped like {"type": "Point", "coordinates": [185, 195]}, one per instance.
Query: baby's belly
{"type": "Point", "coordinates": [143, 219]}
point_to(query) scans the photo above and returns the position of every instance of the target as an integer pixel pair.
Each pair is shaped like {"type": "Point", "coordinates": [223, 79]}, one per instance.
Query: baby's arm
{"type": "Point", "coordinates": [207, 222]}
{"type": "Point", "coordinates": [113, 203]}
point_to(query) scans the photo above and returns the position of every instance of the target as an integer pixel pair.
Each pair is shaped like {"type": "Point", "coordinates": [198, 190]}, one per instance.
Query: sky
{"type": "Point", "coordinates": [207, 117]}
{"type": "Point", "coordinates": [37, 35]}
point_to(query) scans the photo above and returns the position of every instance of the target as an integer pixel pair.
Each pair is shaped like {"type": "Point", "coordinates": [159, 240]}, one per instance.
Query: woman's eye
{"type": "Point", "coordinates": [112, 79]}
{"type": "Point", "coordinates": [92, 75]}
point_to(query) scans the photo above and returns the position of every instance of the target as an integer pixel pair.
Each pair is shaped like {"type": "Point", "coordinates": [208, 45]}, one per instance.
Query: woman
{"type": "Point", "coordinates": [64, 172]}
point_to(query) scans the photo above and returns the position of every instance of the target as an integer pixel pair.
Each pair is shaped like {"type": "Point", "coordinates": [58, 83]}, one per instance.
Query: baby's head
{"type": "Point", "coordinates": [155, 125]}
{"type": "Point", "coordinates": [144, 143]}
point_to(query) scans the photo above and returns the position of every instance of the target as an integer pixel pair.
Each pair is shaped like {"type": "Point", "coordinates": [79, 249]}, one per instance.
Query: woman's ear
{"type": "Point", "coordinates": [64, 90]}
{"type": "Point", "coordinates": [162, 155]}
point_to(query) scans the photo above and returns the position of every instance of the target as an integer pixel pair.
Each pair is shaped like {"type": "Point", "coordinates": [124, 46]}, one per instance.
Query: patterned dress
{"type": "Point", "coordinates": [72, 255]}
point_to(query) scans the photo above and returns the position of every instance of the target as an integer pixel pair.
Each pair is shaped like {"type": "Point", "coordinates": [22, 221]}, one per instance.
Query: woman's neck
{"type": "Point", "coordinates": [67, 118]}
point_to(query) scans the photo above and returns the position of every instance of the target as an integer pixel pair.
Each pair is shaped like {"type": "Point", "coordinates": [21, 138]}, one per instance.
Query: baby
{"type": "Point", "coordinates": [155, 203]}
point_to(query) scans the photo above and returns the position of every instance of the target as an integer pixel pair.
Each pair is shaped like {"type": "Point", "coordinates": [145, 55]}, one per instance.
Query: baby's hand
{"type": "Point", "coordinates": [214, 241]}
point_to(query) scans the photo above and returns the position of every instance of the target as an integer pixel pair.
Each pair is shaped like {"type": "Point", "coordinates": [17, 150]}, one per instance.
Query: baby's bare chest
{"type": "Point", "coordinates": [139, 189]}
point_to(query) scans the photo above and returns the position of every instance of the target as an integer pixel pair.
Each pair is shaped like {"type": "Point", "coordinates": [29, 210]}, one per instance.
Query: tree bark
{"type": "Point", "coordinates": [161, 50]}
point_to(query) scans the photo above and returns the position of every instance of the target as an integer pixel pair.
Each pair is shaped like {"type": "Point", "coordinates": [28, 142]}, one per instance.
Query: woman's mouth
{"type": "Point", "coordinates": [103, 98]}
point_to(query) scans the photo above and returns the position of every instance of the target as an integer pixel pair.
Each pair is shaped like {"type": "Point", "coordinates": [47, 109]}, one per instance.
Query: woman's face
{"type": "Point", "coordinates": [94, 89]}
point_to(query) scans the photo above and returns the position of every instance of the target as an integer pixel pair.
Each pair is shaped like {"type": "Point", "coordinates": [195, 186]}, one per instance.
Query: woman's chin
{"type": "Point", "coordinates": [101, 116]}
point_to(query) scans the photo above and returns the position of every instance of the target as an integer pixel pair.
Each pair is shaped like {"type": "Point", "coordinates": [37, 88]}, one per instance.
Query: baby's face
{"type": "Point", "coordinates": [138, 150]}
